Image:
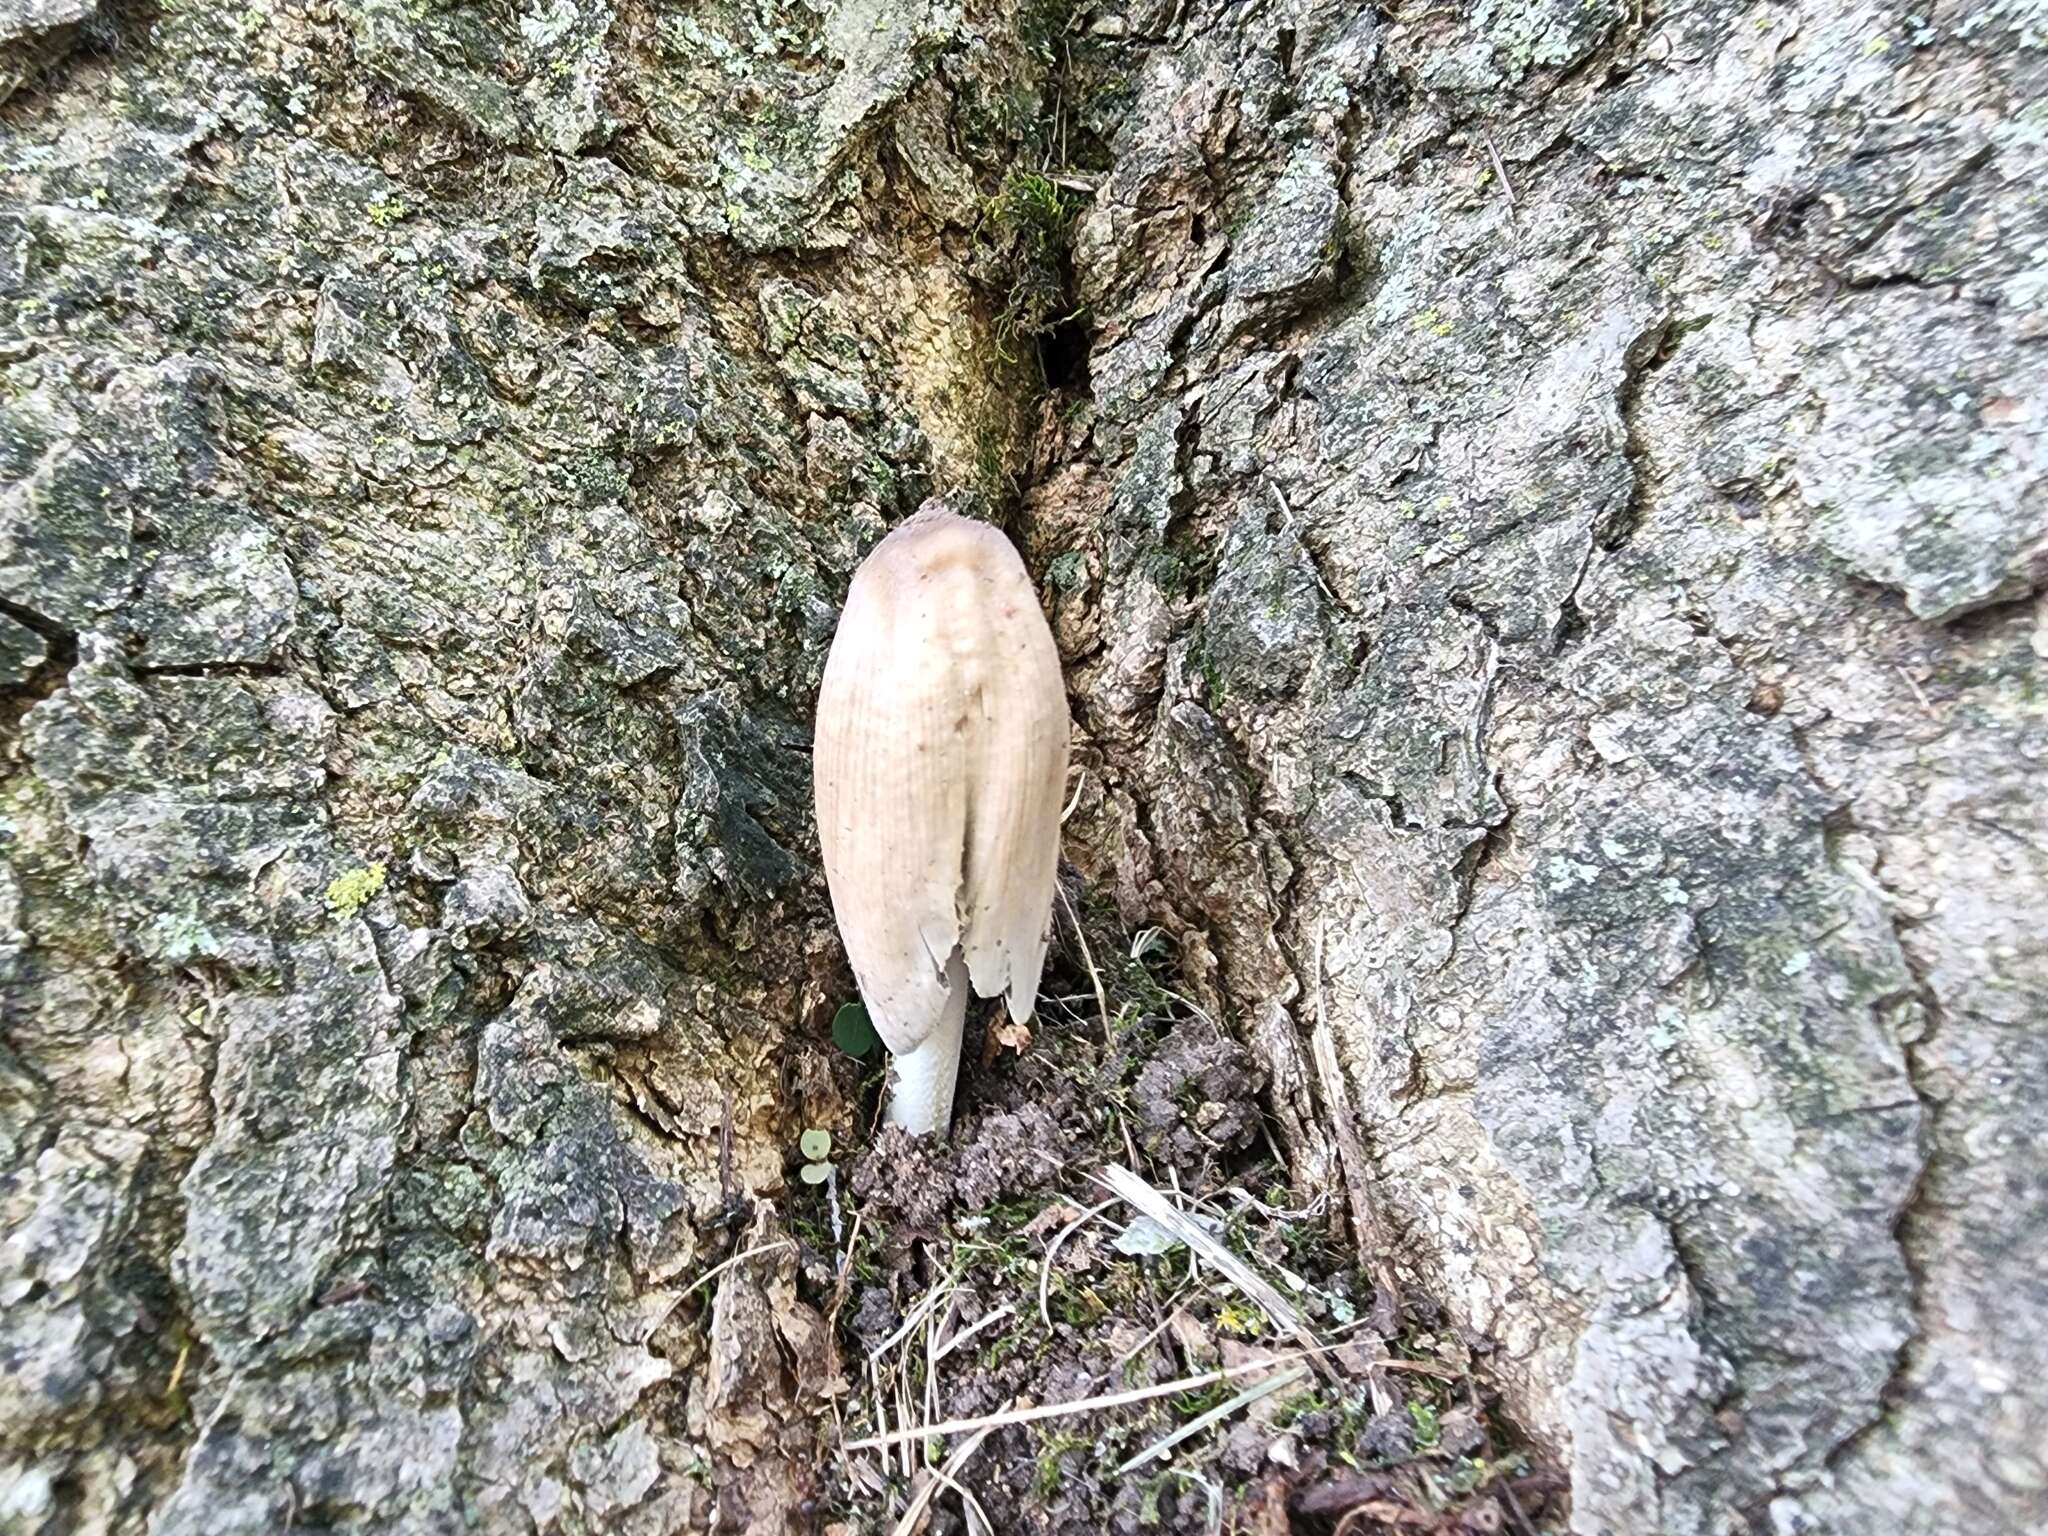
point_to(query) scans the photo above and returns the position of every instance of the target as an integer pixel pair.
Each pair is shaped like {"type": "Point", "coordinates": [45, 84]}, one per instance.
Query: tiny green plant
{"type": "Point", "coordinates": [1027, 230]}
{"type": "Point", "coordinates": [816, 1146]}
{"type": "Point", "coordinates": [854, 1032]}
{"type": "Point", "coordinates": [1426, 1425]}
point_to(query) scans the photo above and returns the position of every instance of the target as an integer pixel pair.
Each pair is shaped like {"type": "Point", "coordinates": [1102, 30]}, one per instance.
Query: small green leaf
{"type": "Point", "coordinates": [853, 1032]}
{"type": "Point", "coordinates": [1144, 1238]}
{"type": "Point", "coordinates": [1427, 1426]}
{"type": "Point", "coordinates": [816, 1145]}
{"type": "Point", "coordinates": [815, 1173]}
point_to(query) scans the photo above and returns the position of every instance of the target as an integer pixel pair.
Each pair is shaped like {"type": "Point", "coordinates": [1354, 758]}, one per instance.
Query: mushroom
{"type": "Point", "coordinates": [940, 762]}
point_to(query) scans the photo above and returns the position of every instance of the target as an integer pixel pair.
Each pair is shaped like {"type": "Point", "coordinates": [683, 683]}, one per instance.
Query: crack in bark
{"type": "Point", "coordinates": [1892, 1392]}
{"type": "Point", "coordinates": [1652, 348]}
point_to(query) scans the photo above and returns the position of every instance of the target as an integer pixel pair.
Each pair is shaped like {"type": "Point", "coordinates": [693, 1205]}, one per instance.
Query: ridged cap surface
{"type": "Point", "coordinates": [941, 763]}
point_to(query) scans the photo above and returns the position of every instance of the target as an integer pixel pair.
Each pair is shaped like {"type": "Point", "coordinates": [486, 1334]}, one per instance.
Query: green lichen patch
{"type": "Point", "coordinates": [348, 892]}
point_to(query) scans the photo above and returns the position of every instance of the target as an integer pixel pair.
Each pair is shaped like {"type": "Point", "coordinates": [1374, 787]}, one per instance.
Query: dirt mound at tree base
{"type": "Point", "coordinates": [995, 1274]}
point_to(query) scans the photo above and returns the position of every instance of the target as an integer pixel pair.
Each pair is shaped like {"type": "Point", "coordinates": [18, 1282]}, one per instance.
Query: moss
{"type": "Point", "coordinates": [1298, 1404]}
{"type": "Point", "coordinates": [1026, 233]}
{"type": "Point", "coordinates": [1199, 1400]}
{"type": "Point", "coordinates": [992, 479]}
{"type": "Point", "coordinates": [1047, 1482]}
{"type": "Point", "coordinates": [1041, 24]}
{"type": "Point", "coordinates": [1211, 675]}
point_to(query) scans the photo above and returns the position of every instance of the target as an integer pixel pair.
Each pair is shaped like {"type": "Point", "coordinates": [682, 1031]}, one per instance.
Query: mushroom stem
{"type": "Point", "coordinates": [921, 1095]}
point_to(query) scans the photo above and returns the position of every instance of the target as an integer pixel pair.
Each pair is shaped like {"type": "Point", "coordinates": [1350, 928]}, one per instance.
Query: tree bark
{"type": "Point", "coordinates": [1542, 510]}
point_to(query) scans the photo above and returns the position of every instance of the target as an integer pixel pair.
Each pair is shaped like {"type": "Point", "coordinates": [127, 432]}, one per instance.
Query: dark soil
{"type": "Point", "coordinates": [953, 1233]}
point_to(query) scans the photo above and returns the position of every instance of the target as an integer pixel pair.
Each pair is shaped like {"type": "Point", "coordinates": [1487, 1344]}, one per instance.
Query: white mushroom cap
{"type": "Point", "coordinates": [940, 763]}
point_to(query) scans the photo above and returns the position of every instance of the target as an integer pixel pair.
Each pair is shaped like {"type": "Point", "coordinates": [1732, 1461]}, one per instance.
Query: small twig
{"type": "Point", "coordinates": [1912, 683]}
{"type": "Point", "coordinates": [1172, 1307]}
{"type": "Point", "coordinates": [1088, 959]}
{"type": "Point", "coordinates": [227, 1394]}
{"type": "Point", "coordinates": [1053, 1247]}
{"type": "Point", "coordinates": [1286, 524]}
{"type": "Point", "coordinates": [178, 1370]}
{"type": "Point", "coordinates": [1507, 1493]}
{"type": "Point", "coordinates": [852, 1245]}
{"type": "Point", "coordinates": [1507, 187]}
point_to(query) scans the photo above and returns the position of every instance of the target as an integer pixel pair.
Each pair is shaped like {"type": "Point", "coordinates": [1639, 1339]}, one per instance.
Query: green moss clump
{"type": "Point", "coordinates": [1028, 230]}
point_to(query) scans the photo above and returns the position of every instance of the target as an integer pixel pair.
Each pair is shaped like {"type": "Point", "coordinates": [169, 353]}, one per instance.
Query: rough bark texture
{"type": "Point", "coordinates": [1552, 539]}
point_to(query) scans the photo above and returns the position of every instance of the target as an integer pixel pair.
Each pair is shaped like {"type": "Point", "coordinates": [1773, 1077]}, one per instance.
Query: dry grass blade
{"type": "Point", "coordinates": [1507, 187]}
{"type": "Point", "coordinates": [1078, 1405]}
{"type": "Point", "coordinates": [986, 1320]}
{"type": "Point", "coordinates": [844, 1279]}
{"type": "Point", "coordinates": [881, 1418]}
{"type": "Point", "coordinates": [1210, 1492]}
{"type": "Point", "coordinates": [1172, 1306]}
{"type": "Point", "coordinates": [1223, 1410]}
{"type": "Point", "coordinates": [1053, 1247]}
{"type": "Point", "coordinates": [925, 1307]}
{"type": "Point", "coordinates": [1088, 959]}
{"type": "Point", "coordinates": [949, 1471]}
{"type": "Point", "coordinates": [715, 1271]}
{"type": "Point", "coordinates": [1135, 1192]}
{"type": "Point", "coordinates": [913, 1452]}
{"type": "Point", "coordinates": [978, 1522]}
{"type": "Point", "coordinates": [744, 1254]}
